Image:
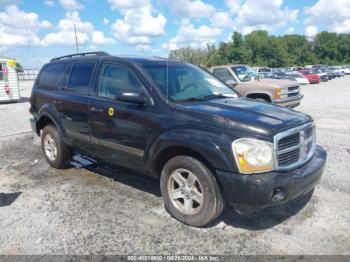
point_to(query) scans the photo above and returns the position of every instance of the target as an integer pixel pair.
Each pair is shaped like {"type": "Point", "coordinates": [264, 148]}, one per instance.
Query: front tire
{"type": "Point", "coordinates": [190, 191]}
{"type": "Point", "coordinates": [57, 153]}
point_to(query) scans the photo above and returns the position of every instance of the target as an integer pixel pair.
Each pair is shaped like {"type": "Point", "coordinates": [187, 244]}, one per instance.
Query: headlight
{"type": "Point", "coordinates": [281, 93]}
{"type": "Point", "coordinates": [253, 156]}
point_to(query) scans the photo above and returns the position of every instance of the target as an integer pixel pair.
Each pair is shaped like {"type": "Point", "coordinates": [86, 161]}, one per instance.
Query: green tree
{"type": "Point", "coordinates": [261, 49]}
{"type": "Point", "coordinates": [325, 47]}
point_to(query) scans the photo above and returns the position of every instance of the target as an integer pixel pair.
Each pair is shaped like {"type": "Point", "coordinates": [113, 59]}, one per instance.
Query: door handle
{"type": "Point", "coordinates": [57, 102]}
{"type": "Point", "coordinates": [95, 109]}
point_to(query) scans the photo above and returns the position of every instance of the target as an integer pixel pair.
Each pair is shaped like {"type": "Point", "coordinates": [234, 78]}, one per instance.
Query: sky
{"type": "Point", "coordinates": [34, 31]}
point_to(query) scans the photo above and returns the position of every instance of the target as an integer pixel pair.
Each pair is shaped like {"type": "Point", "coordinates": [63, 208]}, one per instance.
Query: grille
{"type": "Point", "coordinates": [293, 91]}
{"type": "Point", "coordinates": [294, 147]}
{"type": "Point", "coordinates": [292, 88]}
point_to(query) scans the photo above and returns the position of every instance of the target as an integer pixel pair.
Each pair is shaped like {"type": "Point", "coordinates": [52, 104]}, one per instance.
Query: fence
{"type": "Point", "coordinates": [28, 74]}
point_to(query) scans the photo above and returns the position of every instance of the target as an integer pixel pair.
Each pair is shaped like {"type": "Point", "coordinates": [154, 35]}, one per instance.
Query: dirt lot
{"type": "Point", "coordinates": [103, 210]}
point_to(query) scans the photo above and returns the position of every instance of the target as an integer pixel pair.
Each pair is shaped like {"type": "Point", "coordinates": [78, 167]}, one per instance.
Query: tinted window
{"type": "Point", "coordinates": [115, 79]}
{"type": "Point", "coordinates": [80, 76]}
{"type": "Point", "coordinates": [51, 76]}
{"type": "Point", "coordinates": [180, 81]}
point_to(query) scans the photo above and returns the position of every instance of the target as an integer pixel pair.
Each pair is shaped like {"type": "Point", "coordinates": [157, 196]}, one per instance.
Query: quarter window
{"type": "Point", "coordinates": [51, 76]}
{"type": "Point", "coordinates": [80, 76]}
{"type": "Point", "coordinates": [116, 79]}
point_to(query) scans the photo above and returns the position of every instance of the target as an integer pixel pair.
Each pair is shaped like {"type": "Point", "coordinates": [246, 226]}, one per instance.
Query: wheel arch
{"type": "Point", "coordinates": [189, 143]}
{"type": "Point", "coordinates": [264, 96]}
{"type": "Point", "coordinates": [46, 116]}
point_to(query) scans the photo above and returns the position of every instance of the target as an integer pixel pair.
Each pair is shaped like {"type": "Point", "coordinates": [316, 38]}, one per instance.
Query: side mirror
{"type": "Point", "coordinates": [132, 97]}
{"type": "Point", "coordinates": [231, 82]}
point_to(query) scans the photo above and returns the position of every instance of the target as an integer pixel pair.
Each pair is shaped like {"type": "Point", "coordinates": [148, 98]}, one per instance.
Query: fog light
{"type": "Point", "coordinates": [277, 195]}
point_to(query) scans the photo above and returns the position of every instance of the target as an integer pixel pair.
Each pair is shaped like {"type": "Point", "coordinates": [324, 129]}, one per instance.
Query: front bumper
{"type": "Point", "coordinates": [260, 190]}
{"type": "Point", "coordinates": [290, 101]}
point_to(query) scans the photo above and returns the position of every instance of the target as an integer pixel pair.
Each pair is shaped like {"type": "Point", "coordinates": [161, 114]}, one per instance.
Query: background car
{"type": "Point", "coordinates": [313, 78]}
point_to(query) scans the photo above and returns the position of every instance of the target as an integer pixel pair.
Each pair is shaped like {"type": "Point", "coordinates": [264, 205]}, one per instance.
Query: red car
{"type": "Point", "coordinates": [313, 78]}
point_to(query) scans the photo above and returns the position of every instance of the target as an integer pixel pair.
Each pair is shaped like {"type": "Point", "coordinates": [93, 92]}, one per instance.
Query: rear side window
{"type": "Point", "coordinates": [115, 79]}
{"type": "Point", "coordinates": [51, 76]}
{"type": "Point", "coordinates": [80, 76]}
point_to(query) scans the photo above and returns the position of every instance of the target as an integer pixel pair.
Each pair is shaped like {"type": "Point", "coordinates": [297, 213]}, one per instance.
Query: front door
{"type": "Point", "coordinates": [118, 131]}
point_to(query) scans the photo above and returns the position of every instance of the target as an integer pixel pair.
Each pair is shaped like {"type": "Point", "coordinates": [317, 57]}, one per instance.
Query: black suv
{"type": "Point", "coordinates": [178, 122]}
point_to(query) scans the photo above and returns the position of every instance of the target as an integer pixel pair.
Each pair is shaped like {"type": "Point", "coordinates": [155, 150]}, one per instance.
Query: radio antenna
{"type": "Point", "coordinates": [76, 39]}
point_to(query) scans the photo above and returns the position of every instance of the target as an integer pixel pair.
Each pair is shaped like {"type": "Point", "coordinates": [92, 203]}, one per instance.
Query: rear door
{"type": "Point", "coordinates": [73, 102]}
{"type": "Point", "coordinates": [118, 129]}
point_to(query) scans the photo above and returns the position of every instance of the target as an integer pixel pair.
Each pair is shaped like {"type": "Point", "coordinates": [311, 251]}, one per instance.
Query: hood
{"type": "Point", "coordinates": [277, 82]}
{"type": "Point", "coordinates": [245, 116]}
{"type": "Point", "coordinates": [268, 83]}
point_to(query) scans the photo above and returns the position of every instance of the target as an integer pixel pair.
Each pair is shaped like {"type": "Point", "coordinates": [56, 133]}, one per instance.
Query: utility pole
{"type": "Point", "coordinates": [76, 38]}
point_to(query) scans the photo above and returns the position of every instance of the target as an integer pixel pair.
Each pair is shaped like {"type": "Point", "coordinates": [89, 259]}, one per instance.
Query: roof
{"type": "Point", "coordinates": [226, 66]}
{"type": "Point", "coordinates": [101, 54]}
{"type": "Point", "coordinates": [6, 58]}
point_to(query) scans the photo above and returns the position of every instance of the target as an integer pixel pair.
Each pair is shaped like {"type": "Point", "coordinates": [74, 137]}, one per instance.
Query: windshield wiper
{"type": "Point", "coordinates": [190, 99]}
{"type": "Point", "coordinates": [213, 96]}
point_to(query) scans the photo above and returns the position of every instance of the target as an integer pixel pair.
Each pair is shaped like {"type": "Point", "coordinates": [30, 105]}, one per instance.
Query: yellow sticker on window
{"type": "Point", "coordinates": [111, 111]}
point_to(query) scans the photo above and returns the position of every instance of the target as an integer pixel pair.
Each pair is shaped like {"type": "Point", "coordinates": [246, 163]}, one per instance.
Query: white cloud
{"type": "Point", "coordinates": [18, 28]}
{"type": "Point", "coordinates": [73, 18]}
{"type": "Point", "coordinates": [66, 35]}
{"type": "Point", "coordinates": [290, 30]}
{"type": "Point", "coordinates": [138, 26]}
{"type": "Point", "coordinates": [65, 38]}
{"type": "Point", "coordinates": [188, 35]}
{"type": "Point", "coordinates": [46, 24]}
{"type": "Point", "coordinates": [127, 4]}
{"type": "Point", "coordinates": [71, 4]}
{"type": "Point", "coordinates": [334, 16]}
{"type": "Point", "coordinates": [311, 32]}
{"type": "Point", "coordinates": [222, 20]}
{"type": "Point", "coordinates": [267, 15]}
{"type": "Point", "coordinates": [49, 3]}
{"type": "Point", "coordinates": [98, 38]}
{"type": "Point", "coordinates": [192, 8]}
{"type": "Point", "coordinates": [105, 21]}
{"type": "Point", "coordinates": [233, 5]}
{"type": "Point", "coordinates": [342, 27]}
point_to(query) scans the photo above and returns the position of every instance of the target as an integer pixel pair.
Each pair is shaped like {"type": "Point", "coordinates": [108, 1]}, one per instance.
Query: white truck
{"type": "Point", "coordinates": [9, 88]}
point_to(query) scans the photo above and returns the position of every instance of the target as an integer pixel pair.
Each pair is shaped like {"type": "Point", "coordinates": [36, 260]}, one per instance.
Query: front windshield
{"type": "Point", "coordinates": [244, 73]}
{"type": "Point", "coordinates": [179, 81]}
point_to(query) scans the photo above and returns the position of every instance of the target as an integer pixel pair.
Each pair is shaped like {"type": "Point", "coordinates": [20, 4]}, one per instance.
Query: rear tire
{"type": "Point", "coordinates": [57, 153]}
{"type": "Point", "coordinates": [190, 191]}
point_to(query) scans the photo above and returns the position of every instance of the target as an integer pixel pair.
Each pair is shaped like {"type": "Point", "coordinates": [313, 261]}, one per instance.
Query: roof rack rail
{"type": "Point", "coordinates": [80, 54]}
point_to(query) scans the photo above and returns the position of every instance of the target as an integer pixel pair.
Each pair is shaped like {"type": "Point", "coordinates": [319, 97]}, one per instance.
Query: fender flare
{"type": "Point", "coordinates": [204, 143]}
{"type": "Point", "coordinates": [52, 114]}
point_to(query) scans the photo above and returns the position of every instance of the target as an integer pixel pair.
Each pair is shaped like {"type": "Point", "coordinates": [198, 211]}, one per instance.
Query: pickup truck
{"type": "Point", "coordinates": [208, 145]}
{"type": "Point", "coordinates": [248, 83]}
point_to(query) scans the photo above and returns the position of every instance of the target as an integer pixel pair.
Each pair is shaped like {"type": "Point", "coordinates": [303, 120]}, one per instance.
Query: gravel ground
{"type": "Point", "coordinates": [104, 210]}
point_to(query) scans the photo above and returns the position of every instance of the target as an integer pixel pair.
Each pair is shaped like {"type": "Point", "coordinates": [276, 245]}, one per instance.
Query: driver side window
{"type": "Point", "coordinates": [116, 79]}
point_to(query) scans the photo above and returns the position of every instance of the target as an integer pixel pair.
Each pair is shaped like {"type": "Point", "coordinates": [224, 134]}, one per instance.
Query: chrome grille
{"type": "Point", "coordinates": [294, 147]}
{"type": "Point", "coordinates": [293, 91]}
